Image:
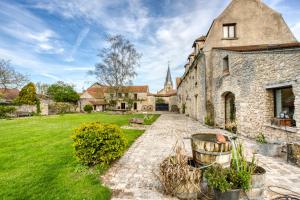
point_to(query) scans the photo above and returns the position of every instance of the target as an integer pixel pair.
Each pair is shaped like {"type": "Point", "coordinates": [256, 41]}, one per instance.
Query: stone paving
{"type": "Point", "coordinates": [133, 176]}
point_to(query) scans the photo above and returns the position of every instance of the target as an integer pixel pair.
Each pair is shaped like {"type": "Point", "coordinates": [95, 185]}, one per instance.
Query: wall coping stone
{"type": "Point", "coordinates": [288, 129]}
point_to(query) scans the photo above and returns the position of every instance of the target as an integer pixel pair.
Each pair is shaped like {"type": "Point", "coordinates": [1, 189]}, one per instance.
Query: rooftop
{"type": "Point", "coordinates": [263, 47]}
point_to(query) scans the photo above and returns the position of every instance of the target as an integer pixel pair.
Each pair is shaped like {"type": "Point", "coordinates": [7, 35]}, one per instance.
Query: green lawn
{"type": "Point", "coordinates": [37, 158]}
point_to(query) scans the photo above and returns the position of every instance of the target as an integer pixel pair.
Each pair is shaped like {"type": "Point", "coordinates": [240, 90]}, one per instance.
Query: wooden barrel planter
{"type": "Point", "coordinates": [206, 149]}
{"type": "Point", "coordinates": [257, 184]}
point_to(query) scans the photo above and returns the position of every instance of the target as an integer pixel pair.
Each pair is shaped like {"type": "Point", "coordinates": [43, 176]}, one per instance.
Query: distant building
{"type": "Point", "coordinates": [135, 98]}
{"type": "Point", "coordinates": [127, 98]}
{"type": "Point", "coordinates": [166, 98]}
{"type": "Point", "coordinates": [8, 95]}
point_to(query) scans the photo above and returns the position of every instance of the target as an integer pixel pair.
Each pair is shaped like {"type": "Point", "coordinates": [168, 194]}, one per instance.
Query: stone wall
{"type": "Point", "coordinates": [26, 108]}
{"type": "Point", "coordinates": [192, 90]}
{"type": "Point", "coordinates": [249, 75]}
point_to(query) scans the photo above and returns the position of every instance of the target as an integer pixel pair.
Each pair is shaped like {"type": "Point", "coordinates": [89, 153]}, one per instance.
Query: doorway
{"type": "Point", "coordinates": [230, 111]}
{"type": "Point", "coordinates": [135, 106]}
{"type": "Point", "coordinates": [123, 106]}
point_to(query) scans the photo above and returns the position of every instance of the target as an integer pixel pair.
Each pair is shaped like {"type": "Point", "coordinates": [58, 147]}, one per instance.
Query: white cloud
{"type": "Point", "coordinates": [22, 25]}
{"type": "Point", "coordinates": [159, 38]}
{"type": "Point", "coordinates": [115, 16]}
{"type": "Point", "coordinates": [81, 36]}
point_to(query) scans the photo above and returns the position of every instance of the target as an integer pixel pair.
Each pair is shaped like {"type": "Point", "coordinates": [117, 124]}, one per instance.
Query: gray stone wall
{"type": "Point", "coordinates": [192, 90]}
{"type": "Point", "coordinates": [249, 75]}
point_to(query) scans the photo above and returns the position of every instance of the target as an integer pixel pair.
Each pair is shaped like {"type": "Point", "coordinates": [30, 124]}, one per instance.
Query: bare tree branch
{"type": "Point", "coordinates": [119, 62]}
{"type": "Point", "coordinates": [9, 78]}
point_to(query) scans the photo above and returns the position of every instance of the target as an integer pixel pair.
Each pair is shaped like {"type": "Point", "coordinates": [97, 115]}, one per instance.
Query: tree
{"type": "Point", "coordinates": [119, 62]}
{"type": "Point", "coordinates": [28, 95]}
{"type": "Point", "coordinates": [9, 78]}
{"type": "Point", "coordinates": [62, 92]}
{"type": "Point", "coordinates": [41, 88]}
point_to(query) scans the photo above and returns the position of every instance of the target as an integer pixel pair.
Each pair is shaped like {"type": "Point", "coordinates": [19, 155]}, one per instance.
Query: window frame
{"type": "Point", "coordinates": [227, 26]}
{"type": "Point", "coordinates": [277, 119]}
{"type": "Point", "coordinates": [226, 62]}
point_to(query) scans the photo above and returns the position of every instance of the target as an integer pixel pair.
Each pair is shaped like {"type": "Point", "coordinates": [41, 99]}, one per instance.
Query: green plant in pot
{"type": "Point", "coordinates": [228, 182]}
{"type": "Point", "coordinates": [265, 148]}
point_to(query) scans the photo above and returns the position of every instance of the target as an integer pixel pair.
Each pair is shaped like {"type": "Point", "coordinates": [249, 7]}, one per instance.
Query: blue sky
{"type": "Point", "coordinates": [53, 40]}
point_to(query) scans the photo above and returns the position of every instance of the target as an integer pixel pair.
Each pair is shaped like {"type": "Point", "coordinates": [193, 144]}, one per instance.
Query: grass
{"type": "Point", "coordinates": [37, 158]}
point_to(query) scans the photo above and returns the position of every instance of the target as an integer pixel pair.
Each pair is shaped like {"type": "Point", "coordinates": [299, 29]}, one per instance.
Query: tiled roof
{"type": "Point", "coordinates": [9, 94]}
{"type": "Point", "coordinates": [263, 47]}
{"type": "Point", "coordinates": [98, 91]}
{"type": "Point", "coordinates": [173, 93]}
{"type": "Point", "coordinates": [131, 89]}
{"type": "Point", "coordinates": [192, 54]}
{"type": "Point", "coordinates": [98, 102]}
{"type": "Point", "coordinates": [199, 39]}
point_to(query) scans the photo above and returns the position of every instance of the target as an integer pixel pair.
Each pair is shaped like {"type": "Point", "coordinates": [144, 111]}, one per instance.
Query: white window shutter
{"type": "Point", "coordinates": [231, 31]}
{"type": "Point", "coordinates": [225, 31]}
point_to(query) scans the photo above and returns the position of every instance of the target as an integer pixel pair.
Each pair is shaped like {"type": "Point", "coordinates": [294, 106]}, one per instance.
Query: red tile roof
{"type": "Point", "coordinates": [9, 94]}
{"type": "Point", "coordinates": [263, 47]}
{"type": "Point", "coordinates": [98, 102]}
{"type": "Point", "coordinates": [165, 95]}
{"type": "Point", "coordinates": [98, 91]}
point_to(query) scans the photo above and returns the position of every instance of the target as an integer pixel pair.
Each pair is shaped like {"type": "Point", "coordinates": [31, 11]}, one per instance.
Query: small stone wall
{"type": "Point", "coordinates": [26, 108]}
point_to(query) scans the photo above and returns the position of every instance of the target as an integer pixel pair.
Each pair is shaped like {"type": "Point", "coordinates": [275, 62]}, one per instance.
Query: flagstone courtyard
{"type": "Point", "coordinates": [134, 176]}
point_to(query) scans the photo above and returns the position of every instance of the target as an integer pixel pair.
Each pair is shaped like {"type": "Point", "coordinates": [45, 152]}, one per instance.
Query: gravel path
{"type": "Point", "coordinates": [133, 176]}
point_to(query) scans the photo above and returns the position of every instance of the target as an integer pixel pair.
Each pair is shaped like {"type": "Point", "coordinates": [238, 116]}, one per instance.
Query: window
{"type": "Point", "coordinates": [229, 31]}
{"type": "Point", "coordinates": [226, 64]}
{"type": "Point", "coordinates": [284, 107]}
{"type": "Point", "coordinates": [135, 96]}
{"type": "Point", "coordinates": [126, 95]}
{"type": "Point", "coordinates": [119, 95]}
{"type": "Point", "coordinates": [111, 95]}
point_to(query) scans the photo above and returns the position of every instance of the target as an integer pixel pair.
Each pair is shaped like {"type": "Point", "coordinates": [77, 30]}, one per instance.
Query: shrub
{"type": "Point", "coordinates": [183, 108]}
{"type": "Point", "coordinates": [27, 95]}
{"type": "Point", "coordinates": [62, 92]}
{"type": "Point", "coordinates": [60, 108]}
{"type": "Point", "coordinates": [217, 178]}
{"type": "Point", "coordinates": [88, 108]}
{"type": "Point", "coordinates": [260, 138]}
{"type": "Point", "coordinates": [174, 108]}
{"type": "Point", "coordinates": [97, 143]}
{"type": "Point", "coordinates": [6, 110]}
{"type": "Point", "coordinates": [208, 121]}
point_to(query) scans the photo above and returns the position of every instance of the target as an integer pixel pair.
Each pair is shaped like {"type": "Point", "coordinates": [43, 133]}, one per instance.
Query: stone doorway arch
{"type": "Point", "coordinates": [230, 108]}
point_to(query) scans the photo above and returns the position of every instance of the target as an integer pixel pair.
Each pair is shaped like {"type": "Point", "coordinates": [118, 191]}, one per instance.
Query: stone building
{"type": "Point", "coordinates": [245, 71]}
{"type": "Point", "coordinates": [104, 97]}
{"type": "Point", "coordinates": [166, 98]}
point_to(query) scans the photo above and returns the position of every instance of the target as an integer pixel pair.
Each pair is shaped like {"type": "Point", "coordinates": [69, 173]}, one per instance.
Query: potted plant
{"type": "Point", "coordinates": [258, 178]}
{"type": "Point", "coordinates": [265, 148]}
{"type": "Point", "coordinates": [228, 182]}
{"type": "Point", "coordinates": [258, 174]}
{"type": "Point", "coordinates": [180, 176]}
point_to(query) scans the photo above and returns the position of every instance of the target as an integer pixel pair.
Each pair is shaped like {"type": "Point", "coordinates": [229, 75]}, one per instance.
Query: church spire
{"type": "Point", "coordinates": [169, 81]}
